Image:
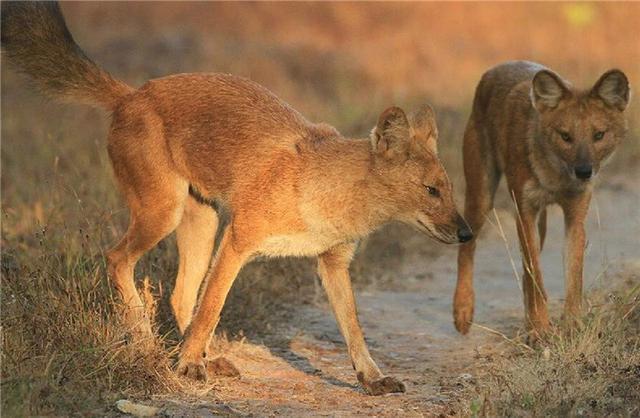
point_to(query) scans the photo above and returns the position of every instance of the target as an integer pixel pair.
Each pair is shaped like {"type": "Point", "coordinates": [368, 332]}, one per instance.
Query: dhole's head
{"type": "Point", "coordinates": [580, 129]}
{"type": "Point", "coordinates": [416, 187]}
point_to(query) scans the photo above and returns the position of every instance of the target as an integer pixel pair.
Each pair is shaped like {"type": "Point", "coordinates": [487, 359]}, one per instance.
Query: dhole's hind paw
{"type": "Point", "coordinates": [462, 318]}
{"type": "Point", "coordinates": [220, 366]}
{"type": "Point", "coordinates": [139, 330]}
{"type": "Point", "coordinates": [195, 370]}
{"type": "Point", "coordinates": [384, 385]}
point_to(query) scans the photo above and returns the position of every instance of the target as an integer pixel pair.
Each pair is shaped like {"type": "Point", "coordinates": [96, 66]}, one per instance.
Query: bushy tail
{"type": "Point", "coordinates": [35, 39]}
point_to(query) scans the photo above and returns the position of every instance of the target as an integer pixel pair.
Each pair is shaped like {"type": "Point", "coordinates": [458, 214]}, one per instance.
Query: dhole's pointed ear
{"type": "Point", "coordinates": [547, 90]}
{"type": "Point", "coordinates": [424, 131]}
{"type": "Point", "coordinates": [613, 89]}
{"type": "Point", "coordinates": [392, 131]}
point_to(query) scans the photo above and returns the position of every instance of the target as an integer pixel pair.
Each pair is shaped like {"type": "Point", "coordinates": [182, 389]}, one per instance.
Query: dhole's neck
{"type": "Point", "coordinates": [345, 187]}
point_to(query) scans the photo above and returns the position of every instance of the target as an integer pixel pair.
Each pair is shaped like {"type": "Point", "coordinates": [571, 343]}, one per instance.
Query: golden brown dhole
{"type": "Point", "coordinates": [281, 186]}
{"type": "Point", "coordinates": [549, 139]}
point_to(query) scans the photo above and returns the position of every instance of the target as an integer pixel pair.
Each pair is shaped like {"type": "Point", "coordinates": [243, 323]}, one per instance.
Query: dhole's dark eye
{"type": "Point", "coordinates": [433, 191]}
{"type": "Point", "coordinates": [565, 136]}
{"type": "Point", "coordinates": [598, 135]}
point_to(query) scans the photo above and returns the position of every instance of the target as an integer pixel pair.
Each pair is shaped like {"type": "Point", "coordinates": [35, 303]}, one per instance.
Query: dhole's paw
{"type": "Point", "coordinates": [382, 386]}
{"type": "Point", "coordinates": [220, 366]}
{"type": "Point", "coordinates": [140, 333]}
{"type": "Point", "coordinates": [538, 335]}
{"type": "Point", "coordinates": [195, 370]}
{"type": "Point", "coordinates": [463, 314]}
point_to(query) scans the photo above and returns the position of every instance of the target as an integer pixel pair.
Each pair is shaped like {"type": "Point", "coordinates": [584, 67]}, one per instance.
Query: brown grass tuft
{"type": "Point", "coordinates": [60, 338]}
{"type": "Point", "coordinates": [594, 371]}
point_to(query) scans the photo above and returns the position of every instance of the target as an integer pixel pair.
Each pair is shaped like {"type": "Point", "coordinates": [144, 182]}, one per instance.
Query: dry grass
{"type": "Point", "coordinates": [62, 350]}
{"type": "Point", "coordinates": [594, 371]}
{"type": "Point", "coordinates": [61, 337]}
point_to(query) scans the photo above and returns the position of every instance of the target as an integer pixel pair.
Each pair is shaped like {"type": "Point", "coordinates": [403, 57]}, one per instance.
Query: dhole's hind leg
{"type": "Point", "coordinates": [155, 195]}
{"type": "Point", "coordinates": [149, 224]}
{"type": "Point", "coordinates": [195, 237]}
{"type": "Point", "coordinates": [482, 177]}
{"type": "Point", "coordinates": [542, 227]}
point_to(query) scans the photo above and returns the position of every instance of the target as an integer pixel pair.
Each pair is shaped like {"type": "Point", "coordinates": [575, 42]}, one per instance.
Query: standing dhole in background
{"type": "Point", "coordinates": [549, 140]}
{"type": "Point", "coordinates": [282, 186]}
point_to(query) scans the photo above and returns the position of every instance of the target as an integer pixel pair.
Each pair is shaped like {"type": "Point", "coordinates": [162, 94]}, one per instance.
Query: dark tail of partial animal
{"type": "Point", "coordinates": [35, 39]}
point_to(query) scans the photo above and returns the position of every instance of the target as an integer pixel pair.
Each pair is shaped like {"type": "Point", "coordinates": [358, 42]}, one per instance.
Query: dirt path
{"type": "Point", "coordinates": [303, 368]}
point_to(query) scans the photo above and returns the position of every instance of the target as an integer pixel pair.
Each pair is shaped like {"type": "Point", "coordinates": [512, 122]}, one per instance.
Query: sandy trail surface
{"type": "Point", "coordinates": [301, 367]}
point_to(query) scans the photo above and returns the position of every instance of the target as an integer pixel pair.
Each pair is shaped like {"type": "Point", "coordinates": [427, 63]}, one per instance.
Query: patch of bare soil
{"type": "Point", "coordinates": [301, 367]}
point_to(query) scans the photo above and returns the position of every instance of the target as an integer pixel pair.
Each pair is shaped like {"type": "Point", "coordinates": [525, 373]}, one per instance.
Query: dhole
{"type": "Point", "coordinates": [550, 140]}
{"type": "Point", "coordinates": [200, 153]}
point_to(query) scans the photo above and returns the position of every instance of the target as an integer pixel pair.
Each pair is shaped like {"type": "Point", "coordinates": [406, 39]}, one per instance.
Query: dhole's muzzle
{"type": "Point", "coordinates": [455, 232]}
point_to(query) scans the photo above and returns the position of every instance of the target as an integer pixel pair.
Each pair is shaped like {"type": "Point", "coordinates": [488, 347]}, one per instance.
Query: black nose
{"type": "Point", "coordinates": [464, 234]}
{"type": "Point", "coordinates": [584, 171]}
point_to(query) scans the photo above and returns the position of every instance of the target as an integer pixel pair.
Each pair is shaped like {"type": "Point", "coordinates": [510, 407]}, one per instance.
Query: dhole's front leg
{"type": "Point", "coordinates": [575, 212]}
{"type": "Point", "coordinates": [226, 266]}
{"type": "Point", "coordinates": [333, 267]}
{"type": "Point", "coordinates": [535, 297]}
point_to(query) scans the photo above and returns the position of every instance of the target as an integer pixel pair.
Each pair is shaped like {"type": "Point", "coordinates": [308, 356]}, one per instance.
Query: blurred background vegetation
{"type": "Point", "coordinates": [341, 63]}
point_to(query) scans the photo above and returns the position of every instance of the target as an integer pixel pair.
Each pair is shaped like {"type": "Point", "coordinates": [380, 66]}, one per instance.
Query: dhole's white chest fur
{"type": "Point", "coordinates": [304, 244]}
